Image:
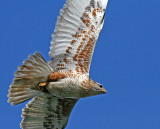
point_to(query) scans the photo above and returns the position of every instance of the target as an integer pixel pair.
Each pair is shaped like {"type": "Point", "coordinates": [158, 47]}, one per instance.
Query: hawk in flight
{"type": "Point", "coordinates": [56, 86]}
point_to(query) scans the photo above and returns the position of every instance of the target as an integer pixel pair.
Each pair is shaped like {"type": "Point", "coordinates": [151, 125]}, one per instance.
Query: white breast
{"type": "Point", "coordinates": [67, 88]}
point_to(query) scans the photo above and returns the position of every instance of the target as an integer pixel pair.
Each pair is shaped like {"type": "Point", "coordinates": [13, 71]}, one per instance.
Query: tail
{"type": "Point", "coordinates": [28, 76]}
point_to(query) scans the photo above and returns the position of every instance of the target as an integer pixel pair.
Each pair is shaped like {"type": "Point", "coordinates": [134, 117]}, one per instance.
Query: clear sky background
{"type": "Point", "coordinates": [126, 61]}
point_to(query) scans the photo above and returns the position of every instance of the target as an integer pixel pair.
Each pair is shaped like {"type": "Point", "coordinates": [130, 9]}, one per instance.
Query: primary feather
{"type": "Point", "coordinates": [76, 34]}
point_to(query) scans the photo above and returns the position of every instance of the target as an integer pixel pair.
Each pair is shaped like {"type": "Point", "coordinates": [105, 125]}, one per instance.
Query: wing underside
{"type": "Point", "coordinates": [75, 35]}
{"type": "Point", "coordinates": [47, 112]}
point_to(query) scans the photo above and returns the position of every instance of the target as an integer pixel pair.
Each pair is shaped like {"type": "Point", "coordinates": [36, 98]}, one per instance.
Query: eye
{"type": "Point", "coordinates": [100, 86]}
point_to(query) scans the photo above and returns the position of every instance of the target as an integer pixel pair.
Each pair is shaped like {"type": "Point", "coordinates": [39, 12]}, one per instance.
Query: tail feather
{"type": "Point", "coordinates": [23, 73]}
{"type": "Point", "coordinates": [28, 76]}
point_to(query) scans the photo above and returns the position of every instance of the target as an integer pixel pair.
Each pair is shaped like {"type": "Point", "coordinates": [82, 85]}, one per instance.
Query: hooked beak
{"type": "Point", "coordinates": [104, 91]}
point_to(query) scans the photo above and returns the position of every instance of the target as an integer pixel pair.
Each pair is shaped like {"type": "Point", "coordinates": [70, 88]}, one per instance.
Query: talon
{"type": "Point", "coordinates": [42, 84]}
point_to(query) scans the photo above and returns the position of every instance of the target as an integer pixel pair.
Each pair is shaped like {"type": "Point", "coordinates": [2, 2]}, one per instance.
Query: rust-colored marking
{"type": "Point", "coordinates": [84, 56]}
{"type": "Point", "coordinates": [86, 21]}
{"type": "Point", "coordinates": [69, 47]}
{"type": "Point", "coordinates": [85, 49]}
{"type": "Point", "coordinates": [94, 13]}
{"type": "Point", "coordinates": [70, 72]}
{"type": "Point", "coordinates": [86, 15]}
{"type": "Point", "coordinates": [79, 48]}
{"type": "Point", "coordinates": [83, 39]}
{"type": "Point", "coordinates": [82, 53]}
{"type": "Point", "coordinates": [95, 10]}
{"type": "Point", "coordinates": [75, 57]}
{"type": "Point", "coordinates": [81, 43]}
{"type": "Point", "coordinates": [84, 31]}
{"type": "Point", "coordinates": [86, 59]}
{"type": "Point", "coordinates": [88, 84]}
{"type": "Point", "coordinates": [65, 60]}
{"type": "Point", "coordinates": [73, 42]}
{"type": "Point", "coordinates": [87, 25]}
{"type": "Point", "coordinates": [77, 36]}
{"type": "Point", "coordinates": [88, 52]}
{"type": "Point", "coordinates": [57, 76]}
{"type": "Point", "coordinates": [60, 65]}
{"type": "Point", "coordinates": [80, 64]}
{"type": "Point", "coordinates": [92, 27]}
{"type": "Point", "coordinates": [76, 64]}
{"type": "Point", "coordinates": [86, 68]}
{"type": "Point", "coordinates": [80, 56]}
{"type": "Point", "coordinates": [89, 32]}
{"type": "Point", "coordinates": [77, 69]}
{"type": "Point", "coordinates": [67, 51]}
{"type": "Point", "coordinates": [86, 36]}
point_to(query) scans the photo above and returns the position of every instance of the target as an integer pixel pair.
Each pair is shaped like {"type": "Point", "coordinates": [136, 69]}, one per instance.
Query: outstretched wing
{"type": "Point", "coordinates": [75, 35]}
{"type": "Point", "coordinates": [47, 112]}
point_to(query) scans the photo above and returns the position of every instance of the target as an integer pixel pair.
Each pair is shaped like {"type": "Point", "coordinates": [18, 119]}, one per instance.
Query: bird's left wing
{"type": "Point", "coordinates": [47, 112]}
{"type": "Point", "coordinates": [75, 35]}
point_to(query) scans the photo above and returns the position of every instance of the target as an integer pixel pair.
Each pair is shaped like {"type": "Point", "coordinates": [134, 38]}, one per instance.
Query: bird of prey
{"type": "Point", "coordinates": [56, 86]}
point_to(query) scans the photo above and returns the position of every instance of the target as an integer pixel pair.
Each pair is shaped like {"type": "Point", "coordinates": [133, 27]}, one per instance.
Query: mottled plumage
{"type": "Point", "coordinates": [56, 86]}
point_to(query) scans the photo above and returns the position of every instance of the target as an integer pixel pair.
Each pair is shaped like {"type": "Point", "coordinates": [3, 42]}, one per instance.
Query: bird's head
{"type": "Point", "coordinates": [97, 88]}
{"type": "Point", "coordinates": [93, 88]}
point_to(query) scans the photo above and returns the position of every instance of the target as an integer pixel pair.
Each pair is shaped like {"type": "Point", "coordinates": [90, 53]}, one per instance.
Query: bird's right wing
{"type": "Point", "coordinates": [76, 34]}
{"type": "Point", "coordinates": [47, 112]}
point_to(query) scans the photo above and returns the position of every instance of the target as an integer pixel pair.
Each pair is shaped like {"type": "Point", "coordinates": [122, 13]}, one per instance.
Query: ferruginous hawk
{"type": "Point", "coordinates": [56, 86]}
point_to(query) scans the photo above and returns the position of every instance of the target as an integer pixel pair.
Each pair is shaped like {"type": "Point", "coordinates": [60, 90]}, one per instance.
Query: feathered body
{"type": "Point", "coordinates": [74, 86]}
{"type": "Point", "coordinates": [56, 86]}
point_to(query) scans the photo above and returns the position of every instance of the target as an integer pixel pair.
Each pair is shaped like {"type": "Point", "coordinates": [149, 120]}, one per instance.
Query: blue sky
{"type": "Point", "coordinates": [126, 61]}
